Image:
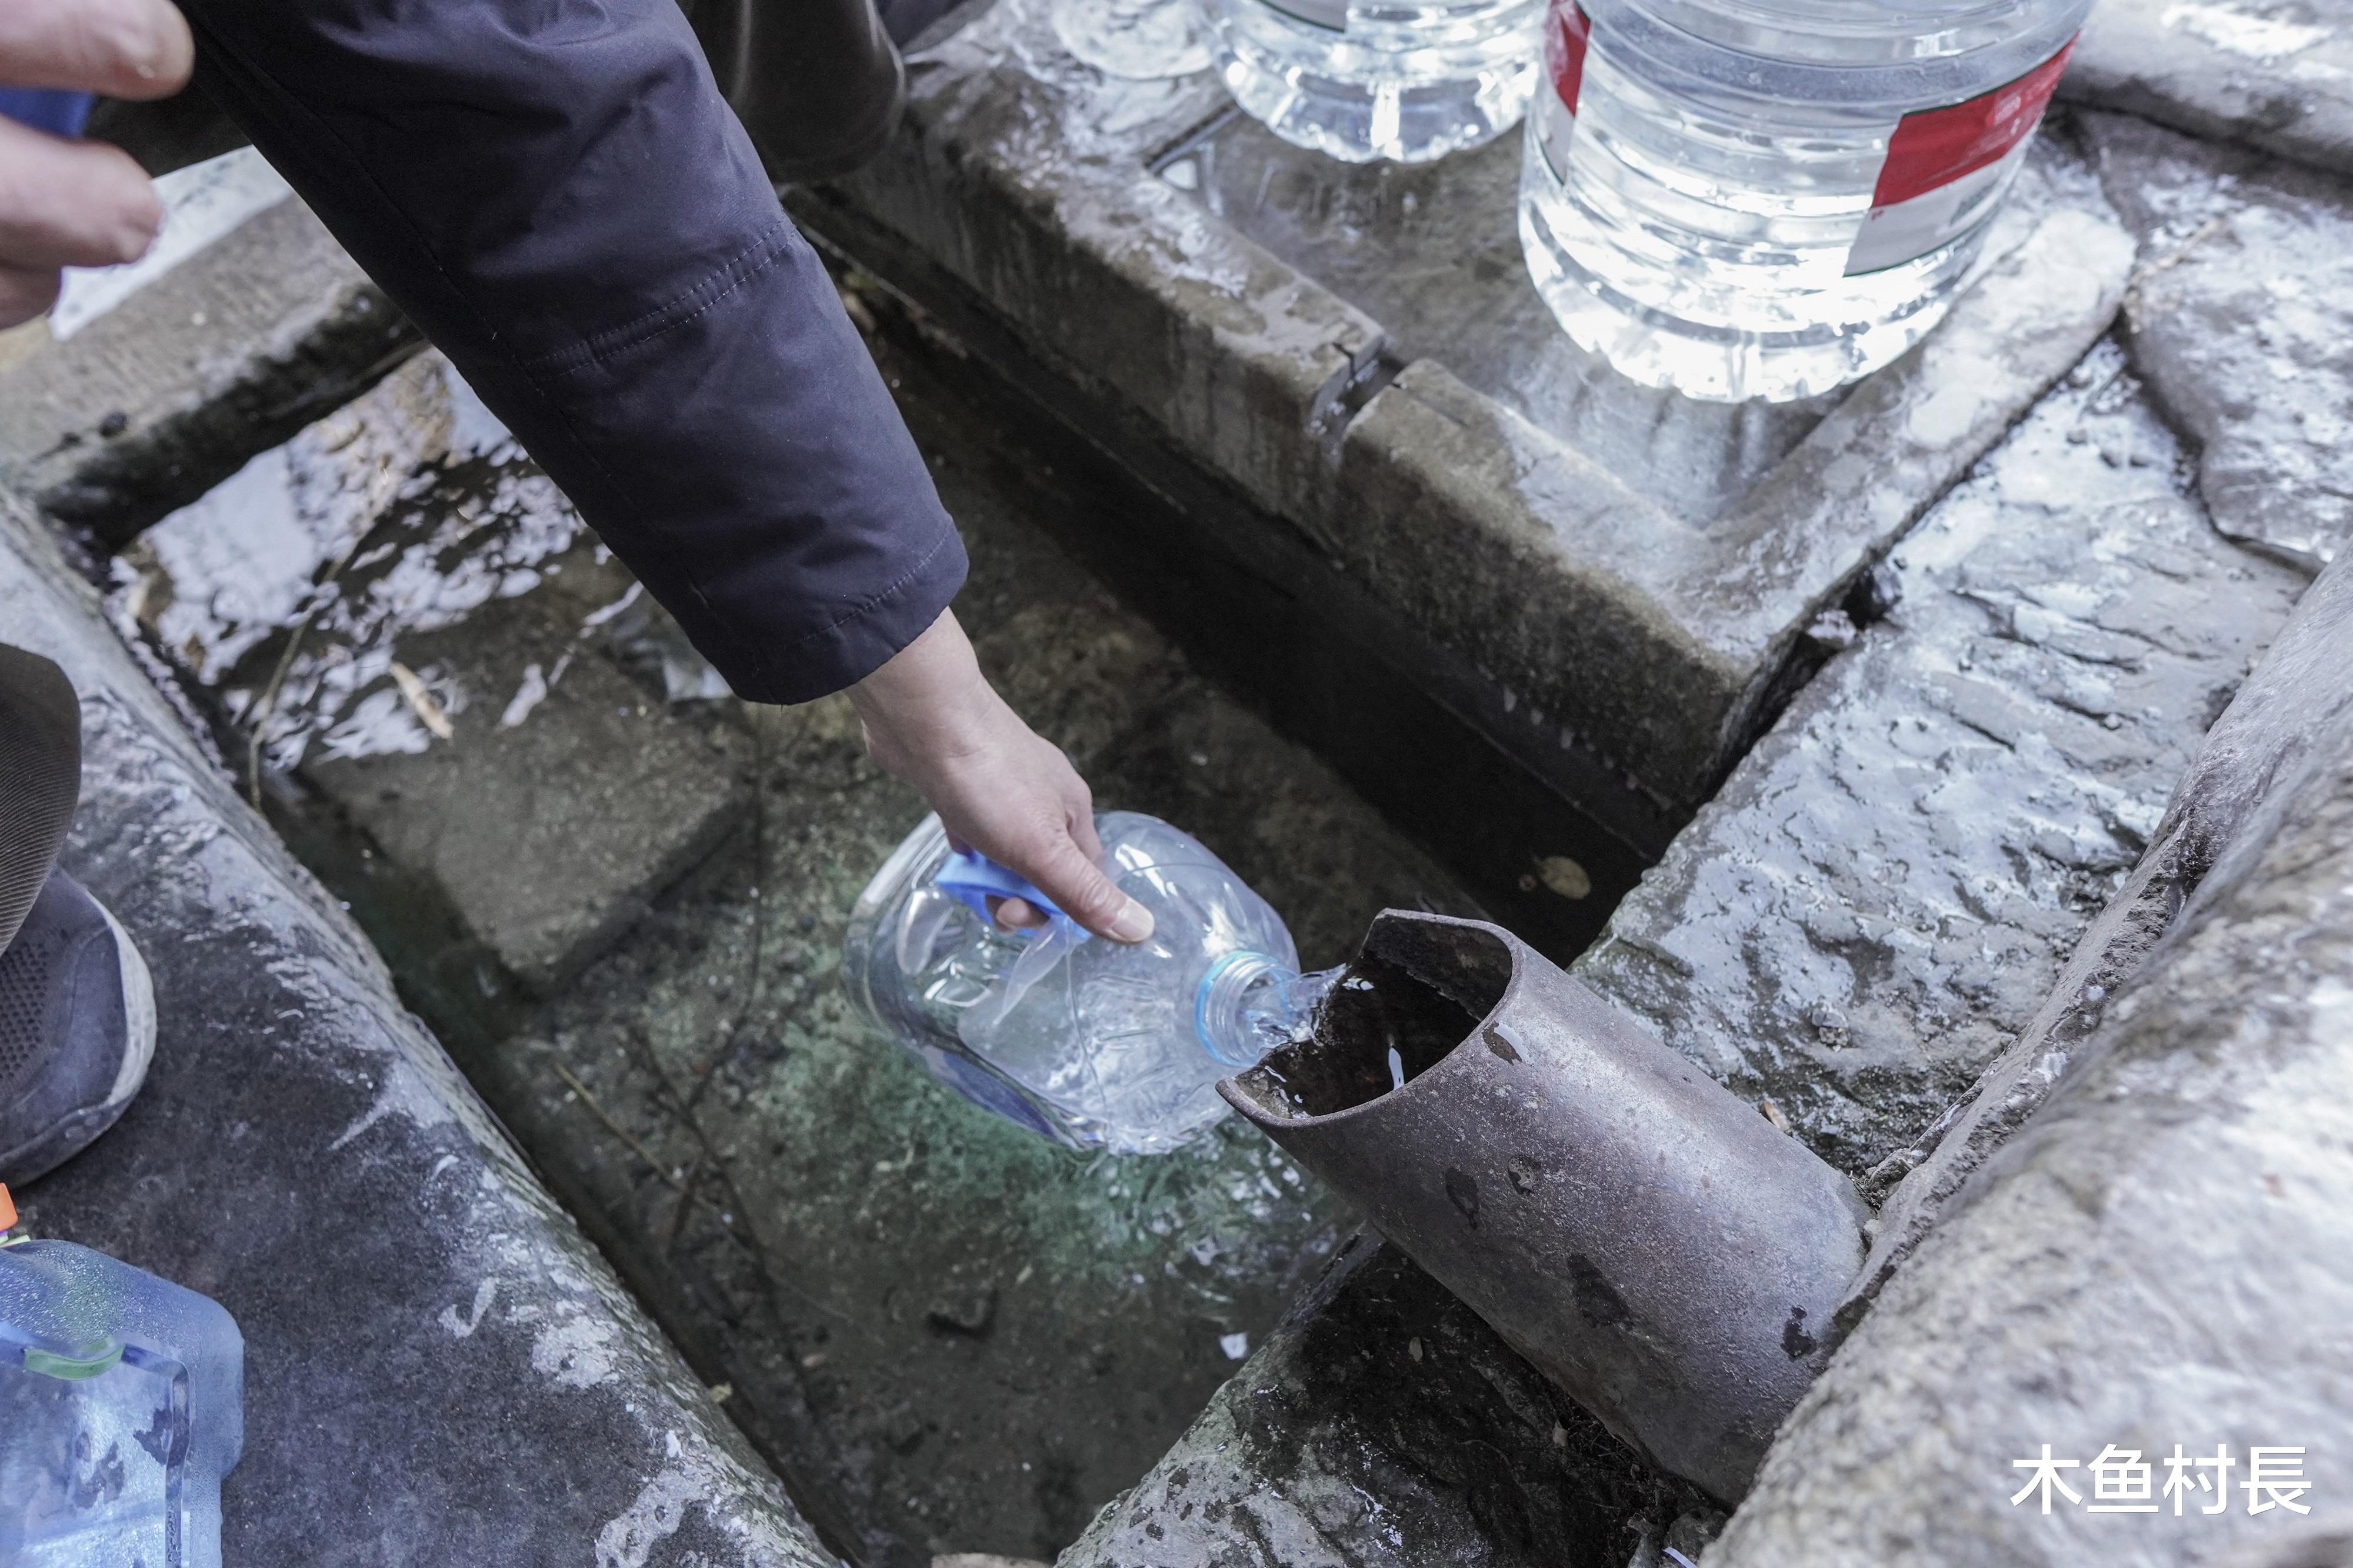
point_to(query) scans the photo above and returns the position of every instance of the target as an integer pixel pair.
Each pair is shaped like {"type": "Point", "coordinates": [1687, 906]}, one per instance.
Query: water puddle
{"type": "Point", "coordinates": [290, 590]}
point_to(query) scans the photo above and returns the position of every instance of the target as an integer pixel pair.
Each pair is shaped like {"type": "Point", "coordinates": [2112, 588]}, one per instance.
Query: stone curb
{"type": "Point", "coordinates": [438, 1366]}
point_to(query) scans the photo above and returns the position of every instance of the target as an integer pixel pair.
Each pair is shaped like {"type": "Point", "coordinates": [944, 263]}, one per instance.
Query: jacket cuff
{"type": "Point", "coordinates": [859, 643]}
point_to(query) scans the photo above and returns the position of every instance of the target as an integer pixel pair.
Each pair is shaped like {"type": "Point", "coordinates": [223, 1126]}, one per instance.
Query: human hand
{"type": "Point", "coordinates": [79, 204]}
{"type": "Point", "coordinates": [931, 718]}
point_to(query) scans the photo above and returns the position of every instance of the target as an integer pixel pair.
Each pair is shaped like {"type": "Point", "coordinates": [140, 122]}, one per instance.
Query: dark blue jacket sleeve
{"type": "Point", "coordinates": [555, 193]}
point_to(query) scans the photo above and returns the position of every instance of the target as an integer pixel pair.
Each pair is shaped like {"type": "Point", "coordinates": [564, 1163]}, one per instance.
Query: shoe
{"type": "Point", "coordinates": [77, 1030]}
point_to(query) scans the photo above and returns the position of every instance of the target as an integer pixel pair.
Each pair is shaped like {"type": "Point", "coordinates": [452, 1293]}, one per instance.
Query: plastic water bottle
{"type": "Point", "coordinates": [1768, 198]}
{"type": "Point", "coordinates": [1360, 79]}
{"type": "Point", "coordinates": [122, 1406]}
{"type": "Point", "coordinates": [1094, 1044]}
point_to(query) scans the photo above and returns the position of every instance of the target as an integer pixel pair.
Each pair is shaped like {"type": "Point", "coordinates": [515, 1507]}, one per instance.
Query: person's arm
{"type": "Point", "coordinates": [555, 193]}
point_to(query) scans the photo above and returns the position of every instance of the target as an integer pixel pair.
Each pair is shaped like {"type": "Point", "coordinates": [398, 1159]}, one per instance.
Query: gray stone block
{"type": "Point", "coordinates": [1888, 885]}
{"type": "Point", "coordinates": [2154, 1263]}
{"type": "Point", "coordinates": [2274, 74]}
{"type": "Point", "coordinates": [1487, 501]}
{"type": "Point", "coordinates": [2240, 318]}
{"type": "Point", "coordinates": [219, 354]}
{"type": "Point", "coordinates": [439, 1367]}
{"type": "Point", "coordinates": [424, 627]}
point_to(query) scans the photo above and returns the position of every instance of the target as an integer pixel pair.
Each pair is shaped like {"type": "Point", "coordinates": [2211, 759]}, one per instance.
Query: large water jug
{"type": "Point", "coordinates": [1092, 1043]}
{"type": "Point", "coordinates": [1768, 198]}
{"type": "Point", "coordinates": [122, 1406]}
{"type": "Point", "coordinates": [1407, 80]}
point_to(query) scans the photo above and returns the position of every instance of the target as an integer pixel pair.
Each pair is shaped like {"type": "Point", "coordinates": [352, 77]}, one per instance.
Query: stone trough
{"type": "Point", "coordinates": [1898, 691]}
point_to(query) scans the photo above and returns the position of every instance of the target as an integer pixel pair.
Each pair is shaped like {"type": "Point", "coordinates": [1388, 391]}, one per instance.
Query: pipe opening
{"type": "Point", "coordinates": [1415, 991]}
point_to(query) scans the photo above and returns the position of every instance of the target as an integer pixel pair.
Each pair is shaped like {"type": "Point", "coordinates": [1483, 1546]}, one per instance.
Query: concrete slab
{"type": "Point", "coordinates": [1419, 249]}
{"type": "Point", "coordinates": [246, 323]}
{"type": "Point", "coordinates": [1889, 884]}
{"type": "Point", "coordinates": [428, 638]}
{"type": "Point", "coordinates": [2274, 74]}
{"type": "Point", "coordinates": [1613, 648]}
{"type": "Point", "coordinates": [440, 1368]}
{"type": "Point", "coordinates": [2238, 316]}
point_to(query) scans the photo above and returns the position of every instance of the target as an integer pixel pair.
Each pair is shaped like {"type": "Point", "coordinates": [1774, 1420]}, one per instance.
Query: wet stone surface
{"type": "Point", "coordinates": [1521, 565]}
{"type": "Point", "coordinates": [2242, 317]}
{"type": "Point", "coordinates": [2155, 1261]}
{"type": "Point", "coordinates": [2269, 73]}
{"type": "Point", "coordinates": [945, 1334]}
{"type": "Point", "coordinates": [153, 382]}
{"type": "Point", "coordinates": [439, 1368]}
{"type": "Point", "coordinates": [1886, 888]}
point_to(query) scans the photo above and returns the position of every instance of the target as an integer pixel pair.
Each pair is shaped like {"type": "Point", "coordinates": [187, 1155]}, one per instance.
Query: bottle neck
{"type": "Point", "coordinates": [1248, 1005]}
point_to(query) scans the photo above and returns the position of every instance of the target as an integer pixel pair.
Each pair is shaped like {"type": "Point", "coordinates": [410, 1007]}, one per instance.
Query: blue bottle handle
{"type": "Point", "coordinates": [57, 111]}
{"type": "Point", "coordinates": [973, 878]}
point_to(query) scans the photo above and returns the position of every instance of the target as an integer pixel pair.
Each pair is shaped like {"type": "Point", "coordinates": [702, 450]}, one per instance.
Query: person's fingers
{"type": "Point", "coordinates": [71, 204]}
{"type": "Point", "coordinates": [123, 48]}
{"type": "Point", "coordinates": [1016, 914]}
{"type": "Point", "coordinates": [1081, 890]}
{"type": "Point", "coordinates": [1078, 810]}
{"type": "Point", "coordinates": [26, 294]}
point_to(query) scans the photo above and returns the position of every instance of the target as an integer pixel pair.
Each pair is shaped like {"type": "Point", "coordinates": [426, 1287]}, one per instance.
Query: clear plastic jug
{"type": "Point", "coordinates": [1094, 1044]}
{"type": "Point", "coordinates": [1408, 81]}
{"type": "Point", "coordinates": [1768, 198]}
{"type": "Point", "coordinates": [122, 1406]}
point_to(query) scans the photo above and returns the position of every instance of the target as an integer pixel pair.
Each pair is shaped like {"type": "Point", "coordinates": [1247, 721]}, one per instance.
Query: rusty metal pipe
{"type": "Point", "coordinates": [1645, 1238]}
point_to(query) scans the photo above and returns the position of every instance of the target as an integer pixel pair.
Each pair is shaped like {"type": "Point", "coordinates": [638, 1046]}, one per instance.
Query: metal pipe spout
{"type": "Point", "coordinates": [1643, 1236]}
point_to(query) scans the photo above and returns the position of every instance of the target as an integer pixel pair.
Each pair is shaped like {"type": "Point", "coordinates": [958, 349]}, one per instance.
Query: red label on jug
{"type": "Point", "coordinates": [1944, 166]}
{"type": "Point", "coordinates": [1567, 31]}
{"type": "Point", "coordinates": [1564, 39]}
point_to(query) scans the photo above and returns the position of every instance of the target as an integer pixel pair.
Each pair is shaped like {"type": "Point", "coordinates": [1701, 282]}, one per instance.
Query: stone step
{"type": "Point", "coordinates": [2271, 74]}
{"type": "Point", "coordinates": [430, 640]}
{"type": "Point", "coordinates": [440, 1368]}
{"type": "Point", "coordinates": [2146, 1287]}
{"type": "Point", "coordinates": [2239, 317]}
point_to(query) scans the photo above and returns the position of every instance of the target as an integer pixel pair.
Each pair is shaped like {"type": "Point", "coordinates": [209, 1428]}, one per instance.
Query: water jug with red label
{"type": "Point", "coordinates": [1768, 198]}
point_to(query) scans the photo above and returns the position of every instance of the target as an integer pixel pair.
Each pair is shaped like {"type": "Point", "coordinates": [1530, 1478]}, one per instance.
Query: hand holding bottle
{"type": "Point", "coordinates": [932, 719]}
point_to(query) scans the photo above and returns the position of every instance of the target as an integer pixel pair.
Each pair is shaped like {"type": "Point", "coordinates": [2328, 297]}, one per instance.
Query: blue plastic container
{"type": "Point", "coordinates": [122, 1406]}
